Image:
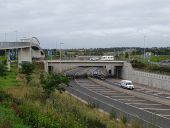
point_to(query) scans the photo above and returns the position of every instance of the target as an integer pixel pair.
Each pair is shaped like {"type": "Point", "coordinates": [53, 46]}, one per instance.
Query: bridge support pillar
{"type": "Point", "coordinates": [24, 54]}
{"type": "Point", "coordinates": [110, 69]}
{"type": "Point", "coordinates": [8, 60]}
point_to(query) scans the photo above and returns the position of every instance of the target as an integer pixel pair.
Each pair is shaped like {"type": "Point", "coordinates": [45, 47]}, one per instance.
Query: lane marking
{"type": "Point", "coordinates": [136, 116]}
{"type": "Point", "coordinates": [143, 104]}
{"type": "Point", "coordinates": [123, 102]}
{"type": "Point", "coordinates": [132, 100]}
{"type": "Point", "coordinates": [122, 96]}
{"type": "Point", "coordinates": [157, 109]}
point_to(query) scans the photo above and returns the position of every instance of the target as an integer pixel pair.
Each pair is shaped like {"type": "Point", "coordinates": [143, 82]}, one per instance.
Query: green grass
{"type": "Point", "coordinates": [10, 80]}
{"type": "Point", "coordinates": [60, 111]}
{"type": "Point", "coordinates": [159, 58]}
{"type": "Point", "coordinates": [2, 58]}
{"type": "Point", "coordinates": [9, 119]}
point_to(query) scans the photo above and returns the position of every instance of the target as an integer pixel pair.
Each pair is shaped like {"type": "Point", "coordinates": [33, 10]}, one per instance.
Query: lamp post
{"type": "Point", "coordinates": [60, 57]}
{"type": "Point", "coordinates": [144, 48]}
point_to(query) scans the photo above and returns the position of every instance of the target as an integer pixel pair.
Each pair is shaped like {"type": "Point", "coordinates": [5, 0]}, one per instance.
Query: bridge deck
{"type": "Point", "coordinates": [15, 45]}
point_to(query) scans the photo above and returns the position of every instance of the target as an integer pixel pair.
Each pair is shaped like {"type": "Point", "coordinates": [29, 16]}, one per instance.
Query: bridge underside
{"type": "Point", "coordinates": [113, 67]}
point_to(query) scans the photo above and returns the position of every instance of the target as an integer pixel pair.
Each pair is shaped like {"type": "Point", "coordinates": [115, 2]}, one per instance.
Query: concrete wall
{"type": "Point", "coordinates": [63, 66]}
{"type": "Point", "coordinates": [37, 54]}
{"type": "Point", "coordinates": [24, 54]}
{"type": "Point", "coordinates": [145, 78]}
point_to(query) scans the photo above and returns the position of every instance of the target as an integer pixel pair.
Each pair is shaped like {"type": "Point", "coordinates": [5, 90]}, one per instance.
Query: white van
{"type": "Point", "coordinates": [127, 84]}
{"type": "Point", "coordinates": [107, 58]}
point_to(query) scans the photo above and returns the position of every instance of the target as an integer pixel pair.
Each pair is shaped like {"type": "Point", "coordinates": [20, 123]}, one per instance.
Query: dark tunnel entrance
{"type": "Point", "coordinates": [117, 72]}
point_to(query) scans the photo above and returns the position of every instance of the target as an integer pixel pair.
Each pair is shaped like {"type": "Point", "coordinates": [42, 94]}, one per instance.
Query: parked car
{"type": "Point", "coordinates": [127, 84]}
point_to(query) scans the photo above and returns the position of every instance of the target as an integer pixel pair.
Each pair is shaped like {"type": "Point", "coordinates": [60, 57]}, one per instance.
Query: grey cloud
{"type": "Point", "coordinates": [88, 23]}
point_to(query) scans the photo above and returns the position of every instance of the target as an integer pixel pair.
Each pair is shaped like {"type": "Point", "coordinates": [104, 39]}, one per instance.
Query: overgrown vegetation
{"type": "Point", "coordinates": [150, 67]}
{"type": "Point", "coordinates": [3, 68]}
{"type": "Point", "coordinates": [27, 69]}
{"type": "Point", "coordinates": [61, 110]}
{"type": "Point", "coordinates": [159, 58]}
{"type": "Point", "coordinates": [51, 82]}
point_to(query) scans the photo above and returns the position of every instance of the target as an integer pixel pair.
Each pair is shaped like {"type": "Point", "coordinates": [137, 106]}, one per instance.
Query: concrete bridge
{"type": "Point", "coordinates": [113, 67]}
{"type": "Point", "coordinates": [27, 49]}
{"type": "Point", "coordinates": [119, 69]}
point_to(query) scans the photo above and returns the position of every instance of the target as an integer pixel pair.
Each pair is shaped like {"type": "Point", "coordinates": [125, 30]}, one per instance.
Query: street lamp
{"type": "Point", "coordinates": [60, 57]}
{"type": "Point", "coordinates": [144, 47]}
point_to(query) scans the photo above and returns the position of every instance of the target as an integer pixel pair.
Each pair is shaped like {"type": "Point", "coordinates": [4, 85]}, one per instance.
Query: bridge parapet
{"type": "Point", "coordinates": [12, 45]}
{"type": "Point", "coordinates": [60, 66]}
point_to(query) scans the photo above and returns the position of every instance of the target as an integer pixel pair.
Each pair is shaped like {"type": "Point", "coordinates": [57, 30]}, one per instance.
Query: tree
{"type": "Point", "coordinates": [52, 81]}
{"type": "Point", "coordinates": [27, 69]}
{"type": "Point", "coordinates": [3, 69]}
{"type": "Point", "coordinates": [126, 55]}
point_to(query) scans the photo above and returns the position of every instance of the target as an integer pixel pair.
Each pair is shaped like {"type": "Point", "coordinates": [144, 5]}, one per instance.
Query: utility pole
{"type": "Point", "coordinates": [56, 49]}
{"type": "Point", "coordinates": [144, 47]}
{"type": "Point", "coordinates": [60, 57]}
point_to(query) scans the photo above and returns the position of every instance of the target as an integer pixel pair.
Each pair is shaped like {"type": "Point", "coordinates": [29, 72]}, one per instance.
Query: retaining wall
{"type": "Point", "coordinates": [147, 79]}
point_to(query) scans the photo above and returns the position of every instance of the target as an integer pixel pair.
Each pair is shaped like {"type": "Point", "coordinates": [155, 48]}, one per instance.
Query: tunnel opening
{"type": "Point", "coordinates": [50, 69]}
{"type": "Point", "coordinates": [117, 72]}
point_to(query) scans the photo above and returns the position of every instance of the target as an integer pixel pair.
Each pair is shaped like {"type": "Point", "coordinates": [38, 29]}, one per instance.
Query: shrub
{"type": "Point", "coordinates": [52, 81]}
{"type": "Point", "coordinates": [3, 69]}
{"type": "Point", "coordinates": [27, 69]}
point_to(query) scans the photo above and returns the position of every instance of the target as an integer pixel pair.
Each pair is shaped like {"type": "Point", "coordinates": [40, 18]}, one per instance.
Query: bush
{"type": "Point", "coordinates": [3, 69]}
{"type": "Point", "coordinates": [27, 69]}
{"type": "Point", "coordinates": [52, 81]}
{"type": "Point", "coordinates": [137, 64]}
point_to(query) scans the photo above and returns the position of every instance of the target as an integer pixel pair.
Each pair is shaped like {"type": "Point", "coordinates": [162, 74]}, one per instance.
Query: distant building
{"type": "Point", "coordinates": [148, 54]}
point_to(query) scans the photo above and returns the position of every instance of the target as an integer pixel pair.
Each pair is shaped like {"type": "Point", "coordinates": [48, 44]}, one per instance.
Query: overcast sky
{"type": "Point", "coordinates": [87, 23]}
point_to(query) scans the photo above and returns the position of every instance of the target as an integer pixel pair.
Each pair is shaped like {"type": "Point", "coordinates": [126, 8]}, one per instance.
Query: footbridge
{"type": "Point", "coordinates": [26, 49]}
{"type": "Point", "coordinates": [113, 67]}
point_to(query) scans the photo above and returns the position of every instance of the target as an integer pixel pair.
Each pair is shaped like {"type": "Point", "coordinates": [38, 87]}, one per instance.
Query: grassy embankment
{"type": "Point", "coordinates": [25, 107]}
{"type": "Point", "coordinates": [159, 58]}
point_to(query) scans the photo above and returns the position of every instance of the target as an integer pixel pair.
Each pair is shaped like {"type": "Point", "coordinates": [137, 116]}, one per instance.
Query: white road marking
{"type": "Point", "coordinates": [124, 96]}
{"type": "Point", "coordinates": [149, 91]}
{"type": "Point", "coordinates": [156, 109]}
{"type": "Point", "coordinates": [139, 89]}
{"type": "Point", "coordinates": [132, 100]}
{"type": "Point", "coordinates": [143, 104]}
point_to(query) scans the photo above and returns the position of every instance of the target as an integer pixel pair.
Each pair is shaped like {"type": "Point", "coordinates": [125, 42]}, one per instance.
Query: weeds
{"type": "Point", "coordinates": [124, 119]}
{"type": "Point", "coordinates": [93, 105]}
{"type": "Point", "coordinates": [113, 115]}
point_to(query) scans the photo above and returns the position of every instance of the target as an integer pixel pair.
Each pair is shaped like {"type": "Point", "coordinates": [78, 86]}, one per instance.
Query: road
{"type": "Point", "coordinates": [110, 97]}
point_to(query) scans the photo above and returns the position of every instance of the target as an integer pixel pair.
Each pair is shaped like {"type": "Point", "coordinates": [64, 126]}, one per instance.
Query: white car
{"type": "Point", "coordinates": [94, 58]}
{"type": "Point", "coordinates": [127, 84]}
